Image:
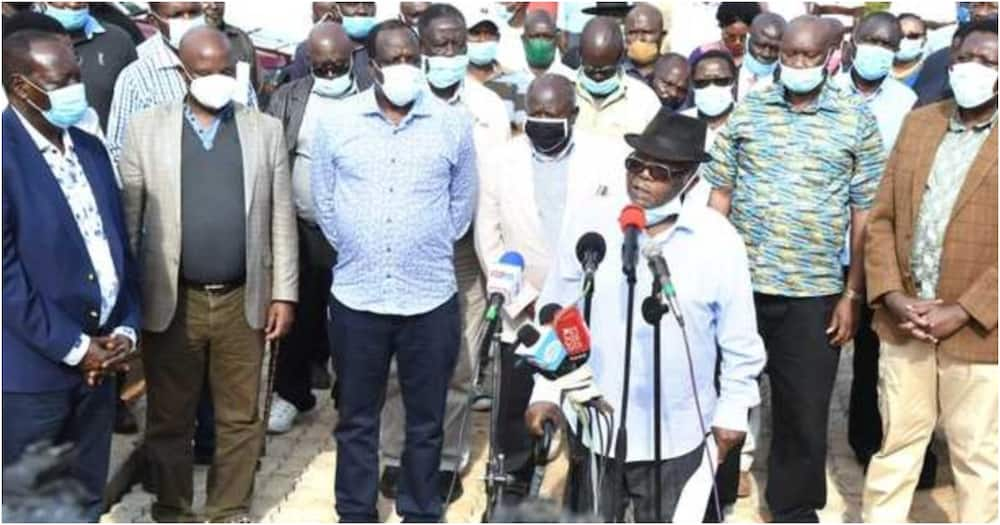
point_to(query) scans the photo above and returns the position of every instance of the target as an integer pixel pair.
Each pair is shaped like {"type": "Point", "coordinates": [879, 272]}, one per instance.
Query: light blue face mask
{"type": "Point", "coordinates": [358, 27]}
{"type": "Point", "coordinates": [602, 88]}
{"type": "Point", "coordinates": [332, 87]}
{"type": "Point", "coordinates": [483, 53]}
{"type": "Point", "coordinates": [506, 15]}
{"type": "Point", "coordinates": [873, 62]}
{"type": "Point", "coordinates": [802, 80]}
{"type": "Point", "coordinates": [910, 49]}
{"type": "Point", "coordinates": [67, 105]}
{"type": "Point", "coordinates": [444, 72]}
{"type": "Point", "coordinates": [713, 101]}
{"type": "Point", "coordinates": [71, 19]}
{"type": "Point", "coordinates": [671, 207]}
{"type": "Point", "coordinates": [756, 67]}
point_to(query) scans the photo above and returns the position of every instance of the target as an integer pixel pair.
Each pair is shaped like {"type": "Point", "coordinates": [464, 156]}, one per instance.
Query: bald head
{"type": "Point", "coordinates": [769, 24]}
{"type": "Point", "coordinates": [834, 30]}
{"type": "Point", "coordinates": [205, 51]}
{"type": "Point", "coordinates": [330, 50]}
{"type": "Point", "coordinates": [766, 33]}
{"type": "Point", "coordinates": [601, 43]}
{"type": "Point", "coordinates": [806, 42]}
{"type": "Point", "coordinates": [644, 15]}
{"type": "Point", "coordinates": [671, 78]}
{"type": "Point", "coordinates": [880, 28]}
{"type": "Point", "coordinates": [551, 96]}
{"type": "Point", "coordinates": [539, 22]}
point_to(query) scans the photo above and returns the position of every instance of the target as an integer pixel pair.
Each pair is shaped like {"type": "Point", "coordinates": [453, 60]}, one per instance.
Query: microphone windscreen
{"type": "Point", "coordinates": [527, 335]}
{"type": "Point", "coordinates": [591, 242]}
{"type": "Point", "coordinates": [632, 216]}
{"type": "Point", "coordinates": [548, 313]}
{"type": "Point", "coordinates": [512, 258]}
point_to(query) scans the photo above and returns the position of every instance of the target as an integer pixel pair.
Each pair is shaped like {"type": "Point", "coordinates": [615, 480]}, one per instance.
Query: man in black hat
{"type": "Point", "coordinates": [696, 422]}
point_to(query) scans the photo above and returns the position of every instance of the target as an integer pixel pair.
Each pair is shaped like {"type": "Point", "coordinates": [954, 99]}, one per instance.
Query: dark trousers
{"type": "Point", "coordinates": [637, 484]}
{"type": "Point", "coordinates": [802, 367]}
{"type": "Point", "coordinates": [82, 415]}
{"type": "Point", "coordinates": [425, 347]}
{"type": "Point", "coordinates": [727, 480]}
{"type": "Point", "coordinates": [513, 439]}
{"type": "Point", "coordinates": [307, 343]}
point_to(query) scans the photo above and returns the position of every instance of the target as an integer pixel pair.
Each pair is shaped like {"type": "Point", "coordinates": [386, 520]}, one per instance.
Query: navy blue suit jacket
{"type": "Point", "coordinates": [50, 290]}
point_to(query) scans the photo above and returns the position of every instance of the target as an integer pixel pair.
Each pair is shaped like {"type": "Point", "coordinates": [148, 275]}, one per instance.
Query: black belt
{"type": "Point", "coordinates": [214, 288]}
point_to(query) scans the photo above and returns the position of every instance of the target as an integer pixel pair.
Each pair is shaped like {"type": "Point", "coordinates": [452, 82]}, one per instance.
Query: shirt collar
{"type": "Point", "coordinates": [845, 81]}
{"type": "Point", "coordinates": [225, 114]}
{"type": "Point", "coordinates": [957, 126]}
{"type": "Point", "coordinates": [92, 27]}
{"type": "Point", "coordinates": [420, 107]}
{"type": "Point", "coordinates": [40, 141]}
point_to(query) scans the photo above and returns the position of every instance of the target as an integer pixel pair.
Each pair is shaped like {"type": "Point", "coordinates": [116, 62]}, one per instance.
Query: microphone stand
{"type": "Point", "coordinates": [652, 312]}
{"type": "Point", "coordinates": [496, 475]}
{"type": "Point", "coordinates": [588, 297]}
{"type": "Point", "coordinates": [621, 439]}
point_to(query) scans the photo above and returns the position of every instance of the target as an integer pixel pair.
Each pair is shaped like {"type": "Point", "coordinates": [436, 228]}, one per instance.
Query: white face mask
{"type": "Point", "coordinates": [401, 83]}
{"type": "Point", "coordinates": [973, 83]}
{"type": "Point", "coordinates": [179, 26]}
{"type": "Point", "coordinates": [213, 91]}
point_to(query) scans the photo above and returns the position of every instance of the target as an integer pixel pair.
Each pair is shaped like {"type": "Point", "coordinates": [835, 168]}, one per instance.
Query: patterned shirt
{"type": "Point", "coordinates": [76, 188]}
{"type": "Point", "coordinates": [393, 199]}
{"type": "Point", "coordinates": [155, 79]}
{"type": "Point", "coordinates": [954, 157]}
{"type": "Point", "coordinates": [793, 174]}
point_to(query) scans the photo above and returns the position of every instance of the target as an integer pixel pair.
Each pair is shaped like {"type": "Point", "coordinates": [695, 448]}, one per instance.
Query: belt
{"type": "Point", "coordinates": [214, 288]}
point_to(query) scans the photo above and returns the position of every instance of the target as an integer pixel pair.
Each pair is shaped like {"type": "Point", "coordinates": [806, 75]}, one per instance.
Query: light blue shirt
{"type": "Point", "coordinates": [708, 263]}
{"type": "Point", "coordinates": [571, 17]}
{"type": "Point", "coordinates": [393, 200]}
{"type": "Point", "coordinates": [890, 104]}
{"type": "Point", "coordinates": [92, 27]}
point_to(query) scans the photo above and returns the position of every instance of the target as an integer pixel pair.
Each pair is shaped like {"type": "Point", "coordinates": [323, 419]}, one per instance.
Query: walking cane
{"type": "Point", "coordinates": [271, 349]}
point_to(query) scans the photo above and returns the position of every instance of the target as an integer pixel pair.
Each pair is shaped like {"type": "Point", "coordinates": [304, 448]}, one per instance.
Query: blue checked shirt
{"type": "Point", "coordinates": [393, 200]}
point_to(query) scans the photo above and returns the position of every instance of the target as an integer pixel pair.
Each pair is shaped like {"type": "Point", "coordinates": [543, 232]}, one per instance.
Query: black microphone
{"type": "Point", "coordinates": [548, 313]}
{"type": "Point", "coordinates": [653, 310]}
{"type": "Point", "coordinates": [632, 220]}
{"type": "Point", "coordinates": [661, 272]}
{"type": "Point", "coordinates": [590, 251]}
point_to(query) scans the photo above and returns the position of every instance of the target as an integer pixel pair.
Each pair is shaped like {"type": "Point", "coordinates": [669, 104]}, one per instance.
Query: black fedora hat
{"type": "Point", "coordinates": [612, 9]}
{"type": "Point", "coordinates": [671, 137]}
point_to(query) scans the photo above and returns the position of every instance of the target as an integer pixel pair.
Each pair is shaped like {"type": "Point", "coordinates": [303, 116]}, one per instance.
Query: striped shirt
{"type": "Point", "coordinates": [155, 79]}
{"type": "Point", "coordinates": [793, 174]}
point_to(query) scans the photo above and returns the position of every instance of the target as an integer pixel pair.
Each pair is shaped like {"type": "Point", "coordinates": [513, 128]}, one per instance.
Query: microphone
{"type": "Point", "coordinates": [573, 334]}
{"type": "Point", "coordinates": [632, 220]}
{"type": "Point", "coordinates": [590, 252]}
{"type": "Point", "coordinates": [661, 272]}
{"type": "Point", "coordinates": [504, 282]}
{"type": "Point", "coordinates": [548, 313]}
{"type": "Point", "coordinates": [542, 350]}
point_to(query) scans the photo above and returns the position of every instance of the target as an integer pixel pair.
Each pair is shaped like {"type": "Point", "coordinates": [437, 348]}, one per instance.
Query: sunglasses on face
{"type": "Point", "coordinates": [331, 70]}
{"type": "Point", "coordinates": [704, 83]}
{"type": "Point", "coordinates": [658, 172]}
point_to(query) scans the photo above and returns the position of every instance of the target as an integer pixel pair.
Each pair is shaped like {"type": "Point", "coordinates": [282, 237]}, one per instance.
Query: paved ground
{"type": "Point", "coordinates": [295, 484]}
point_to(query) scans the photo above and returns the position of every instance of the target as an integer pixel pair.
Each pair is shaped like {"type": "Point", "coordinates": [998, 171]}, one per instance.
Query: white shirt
{"type": "Point", "coordinates": [490, 124]}
{"type": "Point", "coordinates": [708, 261]}
{"type": "Point", "coordinates": [316, 106]}
{"type": "Point", "coordinates": [75, 186]}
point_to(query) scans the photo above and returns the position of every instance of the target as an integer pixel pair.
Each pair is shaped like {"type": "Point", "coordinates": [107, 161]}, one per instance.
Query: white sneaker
{"type": "Point", "coordinates": [283, 416]}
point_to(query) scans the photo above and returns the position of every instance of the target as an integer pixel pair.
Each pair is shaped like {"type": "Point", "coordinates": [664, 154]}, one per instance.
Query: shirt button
{"type": "Point", "coordinates": [93, 313]}
{"type": "Point", "coordinates": [392, 160]}
{"type": "Point", "coordinates": [390, 190]}
{"type": "Point", "coordinates": [387, 276]}
{"type": "Point", "coordinates": [388, 221]}
{"type": "Point", "coordinates": [90, 277]}
{"type": "Point", "coordinates": [388, 250]}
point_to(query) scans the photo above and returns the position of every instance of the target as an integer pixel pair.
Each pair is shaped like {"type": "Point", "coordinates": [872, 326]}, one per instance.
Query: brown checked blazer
{"type": "Point", "coordinates": [150, 167]}
{"type": "Point", "coordinates": [969, 256]}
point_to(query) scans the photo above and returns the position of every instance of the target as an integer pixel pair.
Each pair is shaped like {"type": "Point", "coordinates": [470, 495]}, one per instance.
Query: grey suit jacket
{"type": "Point", "coordinates": [150, 167]}
{"type": "Point", "coordinates": [288, 104]}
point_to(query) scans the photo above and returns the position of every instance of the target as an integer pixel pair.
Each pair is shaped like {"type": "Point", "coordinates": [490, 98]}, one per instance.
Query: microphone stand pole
{"type": "Point", "coordinates": [496, 475]}
{"type": "Point", "coordinates": [621, 439]}
{"type": "Point", "coordinates": [588, 297]}
{"type": "Point", "coordinates": [653, 311]}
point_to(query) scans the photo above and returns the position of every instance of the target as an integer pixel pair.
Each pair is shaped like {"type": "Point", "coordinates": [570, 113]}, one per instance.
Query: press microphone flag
{"type": "Point", "coordinates": [573, 334]}
{"type": "Point", "coordinates": [503, 283]}
{"type": "Point", "coordinates": [546, 354]}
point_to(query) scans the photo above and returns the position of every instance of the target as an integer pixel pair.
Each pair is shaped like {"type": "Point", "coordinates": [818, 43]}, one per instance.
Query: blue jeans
{"type": "Point", "coordinates": [81, 415]}
{"type": "Point", "coordinates": [426, 347]}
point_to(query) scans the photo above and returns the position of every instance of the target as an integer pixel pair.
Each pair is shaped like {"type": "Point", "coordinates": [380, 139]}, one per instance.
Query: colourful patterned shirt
{"type": "Point", "coordinates": [793, 174]}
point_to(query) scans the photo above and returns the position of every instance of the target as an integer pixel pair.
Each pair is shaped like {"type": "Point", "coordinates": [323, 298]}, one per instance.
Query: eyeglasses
{"type": "Point", "coordinates": [705, 82]}
{"type": "Point", "coordinates": [600, 72]}
{"type": "Point", "coordinates": [331, 70]}
{"type": "Point", "coordinates": [658, 172]}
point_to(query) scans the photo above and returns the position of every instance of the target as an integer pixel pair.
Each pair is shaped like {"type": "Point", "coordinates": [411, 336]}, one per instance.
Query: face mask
{"type": "Point", "coordinates": [602, 88]}
{"type": "Point", "coordinates": [71, 19]}
{"type": "Point", "coordinates": [910, 49]}
{"type": "Point", "coordinates": [483, 53]}
{"type": "Point", "coordinates": [402, 83]}
{"type": "Point", "coordinates": [973, 83]}
{"type": "Point", "coordinates": [672, 207]}
{"type": "Point", "coordinates": [67, 105]}
{"type": "Point", "coordinates": [505, 14]}
{"type": "Point", "coordinates": [213, 91]}
{"type": "Point", "coordinates": [540, 52]}
{"type": "Point", "coordinates": [672, 104]}
{"type": "Point", "coordinates": [358, 27]}
{"type": "Point", "coordinates": [547, 134]}
{"type": "Point", "coordinates": [802, 80]}
{"type": "Point", "coordinates": [443, 72]}
{"type": "Point", "coordinates": [179, 26]}
{"type": "Point", "coordinates": [332, 87]}
{"type": "Point", "coordinates": [872, 62]}
{"type": "Point", "coordinates": [756, 67]}
{"type": "Point", "coordinates": [642, 52]}
{"type": "Point", "coordinates": [713, 100]}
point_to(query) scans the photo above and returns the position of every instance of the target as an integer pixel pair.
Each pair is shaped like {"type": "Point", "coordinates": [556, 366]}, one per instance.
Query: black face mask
{"type": "Point", "coordinates": [547, 135]}
{"type": "Point", "coordinates": [672, 104]}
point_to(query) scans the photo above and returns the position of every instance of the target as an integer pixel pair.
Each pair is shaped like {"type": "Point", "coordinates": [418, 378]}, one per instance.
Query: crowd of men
{"type": "Point", "coordinates": [813, 174]}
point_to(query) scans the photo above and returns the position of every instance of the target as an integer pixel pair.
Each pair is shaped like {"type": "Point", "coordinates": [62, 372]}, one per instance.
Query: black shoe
{"type": "Point", "coordinates": [320, 379]}
{"type": "Point", "coordinates": [389, 482]}
{"type": "Point", "coordinates": [125, 422]}
{"type": "Point", "coordinates": [449, 495]}
{"type": "Point", "coordinates": [203, 457]}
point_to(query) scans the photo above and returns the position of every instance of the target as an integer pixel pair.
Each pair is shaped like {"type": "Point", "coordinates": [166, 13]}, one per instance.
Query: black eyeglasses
{"type": "Point", "coordinates": [658, 172]}
{"type": "Point", "coordinates": [704, 83]}
{"type": "Point", "coordinates": [331, 70]}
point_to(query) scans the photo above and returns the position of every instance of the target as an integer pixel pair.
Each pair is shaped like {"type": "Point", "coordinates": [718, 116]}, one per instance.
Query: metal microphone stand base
{"type": "Point", "coordinates": [496, 477]}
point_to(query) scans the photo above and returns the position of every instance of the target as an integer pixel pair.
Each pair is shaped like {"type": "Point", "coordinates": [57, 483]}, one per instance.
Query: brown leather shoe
{"type": "Point", "coordinates": [745, 487]}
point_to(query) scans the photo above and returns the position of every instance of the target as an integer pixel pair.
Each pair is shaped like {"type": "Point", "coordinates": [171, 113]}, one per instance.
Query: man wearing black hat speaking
{"type": "Point", "coordinates": [698, 423]}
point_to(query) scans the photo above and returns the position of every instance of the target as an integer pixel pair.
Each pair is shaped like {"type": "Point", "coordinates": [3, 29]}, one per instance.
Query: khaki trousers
{"type": "Point", "coordinates": [209, 331]}
{"type": "Point", "coordinates": [919, 387]}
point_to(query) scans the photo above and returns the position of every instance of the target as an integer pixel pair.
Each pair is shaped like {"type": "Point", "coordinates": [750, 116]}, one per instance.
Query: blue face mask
{"type": "Point", "coordinates": [71, 19]}
{"type": "Point", "coordinates": [332, 87]}
{"type": "Point", "coordinates": [444, 72]}
{"type": "Point", "coordinates": [756, 67]}
{"type": "Point", "coordinates": [671, 207]}
{"type": "Point", "coordinates": [873, 62]}
{"type": "Point", "coordinates": [802, 80]}
{"type": "Point", "coordinates": [358, 27]}
{"type": "Point", "coordinates": [602, 88]}
{"type": "Point", "coordinates": [910, 49]}
{"type": "Point", "coordinates": [67, 105]}
{"type": "Point", "coordinates": [483, 53]}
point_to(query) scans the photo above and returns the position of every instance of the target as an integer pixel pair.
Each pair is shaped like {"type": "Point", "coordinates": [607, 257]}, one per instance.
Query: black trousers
{"type": "Point", "coordinates": [802, 367]}
{"type": "Point", "coordinates": [425, 347]}
{"type": "Point", "coordinates": [513, 440]}
{"type": "Point", "coordinates": [307, 342]}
